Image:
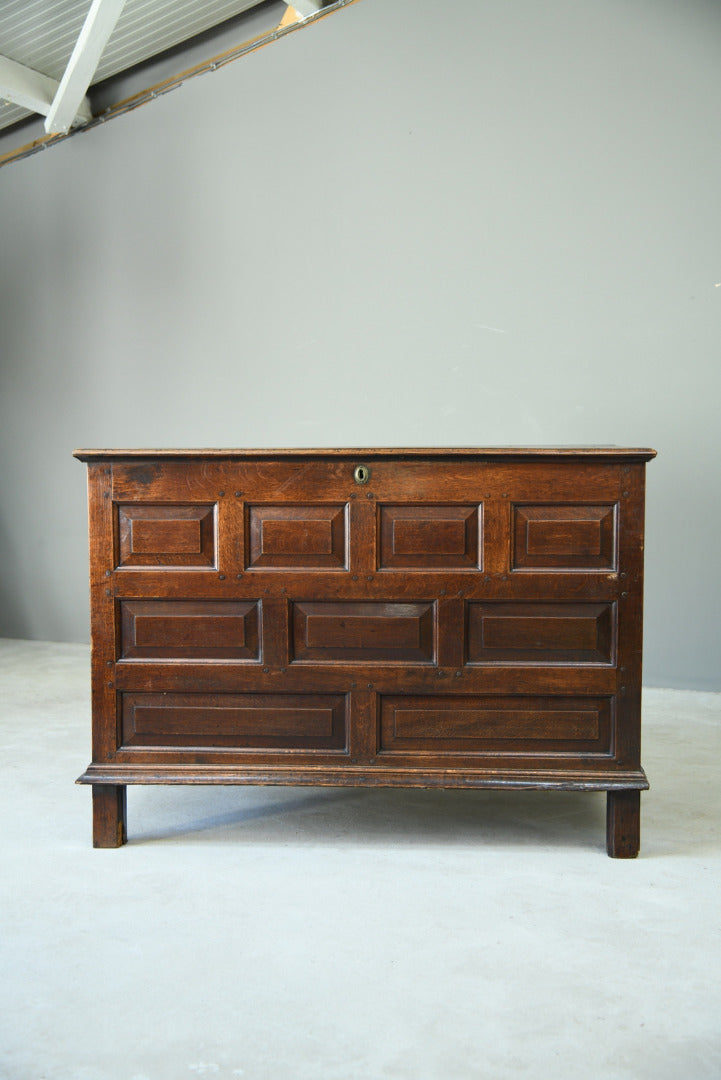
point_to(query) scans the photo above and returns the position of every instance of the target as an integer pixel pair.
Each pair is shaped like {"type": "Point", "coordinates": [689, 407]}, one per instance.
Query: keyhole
{"type": "Point", "coordinates": [362, 474]}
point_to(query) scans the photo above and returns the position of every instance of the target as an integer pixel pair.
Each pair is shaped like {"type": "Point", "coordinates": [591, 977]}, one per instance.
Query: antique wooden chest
{"type": "Point", "coordinates": [417, 618]}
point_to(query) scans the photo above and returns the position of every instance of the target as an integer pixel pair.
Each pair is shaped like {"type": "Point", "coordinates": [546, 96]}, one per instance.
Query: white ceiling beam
{"type": "Point", "coordinates": [34, 91]}
{"type": "Point", "coordinates": [97, 28]}
{"type": "Point", "coordinates": [306, 8]}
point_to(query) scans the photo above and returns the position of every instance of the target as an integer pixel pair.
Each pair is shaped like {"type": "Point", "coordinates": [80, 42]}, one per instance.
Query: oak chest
{"type": "Point", "coordinates": [413, 618]}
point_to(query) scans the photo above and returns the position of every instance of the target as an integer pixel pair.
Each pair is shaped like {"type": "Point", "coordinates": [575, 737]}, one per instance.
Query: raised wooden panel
{"type": "Point", "coordinates": [189, 629]}
{"type": "Point", "coordinates": [564, 537]}
{"type": "Point", "coordinates": [508, 723]}
{"type": "Point", "coordinates": [429, 537]}
{"type": "Point", "coordinates": [512, 632]}
{"type": "Point", "coordinates": [163, 535]}
{"type": "Point", "coordinates": [261, 721]}
{"type": "Point", "coordinates": [297, 537]}
{"type": "Point", "coordinates": [347, 630]}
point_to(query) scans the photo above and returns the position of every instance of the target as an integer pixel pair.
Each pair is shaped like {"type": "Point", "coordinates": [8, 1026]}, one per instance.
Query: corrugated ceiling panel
{"type": "Point", "coordinates": [41, 33]}
{"type": "Point", "coordinates": [148, 27]}
{"type": "Point", "coordinates": [11, 114]}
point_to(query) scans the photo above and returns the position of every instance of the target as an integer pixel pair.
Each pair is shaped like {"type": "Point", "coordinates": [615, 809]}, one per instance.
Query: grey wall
{"type": "Point", "coordinates": [487, 223]}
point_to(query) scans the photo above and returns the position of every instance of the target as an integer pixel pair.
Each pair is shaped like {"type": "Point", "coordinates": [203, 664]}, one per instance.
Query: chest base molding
{"type": "Point", "coordinates": [357, 776]}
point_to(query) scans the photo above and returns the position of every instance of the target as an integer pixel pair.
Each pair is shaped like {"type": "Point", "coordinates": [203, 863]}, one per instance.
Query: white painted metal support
{"type": "Point", "coordinates": [306, 8]}
{"type": "Point", "coordinates": [34, 91]}
{"type": "Point", "coordinates": [98, 27]}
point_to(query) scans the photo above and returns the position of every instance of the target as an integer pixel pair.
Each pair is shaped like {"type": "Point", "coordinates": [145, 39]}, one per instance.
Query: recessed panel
{"type": "Point", "coordinates": [429, 537]}
{"type": "Point", "coordinates": [363, 631]}
{"type": "Point", "coordinates": [206, 721]}
{"type": "Point", "coordinates": [163, 535]}
{"type": "Point", "coordinates": [297, 537]}
{"type": "Point", "coordinates": [189, 629]}
{"type": "Point", "coordinates": [445, 723]}
{"type": "Point", "coordinates": [511, 632]}
{"type": "Point", "coordinates": [564, 537]}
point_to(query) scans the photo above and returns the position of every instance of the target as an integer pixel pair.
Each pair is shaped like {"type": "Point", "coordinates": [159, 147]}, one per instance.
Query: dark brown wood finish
{"type": "Point", "coordinates": [461, 618]}
{"type": "Point", "coordinates": [109, 815]}
{"type": "Point", "coordinates": [623, 820]}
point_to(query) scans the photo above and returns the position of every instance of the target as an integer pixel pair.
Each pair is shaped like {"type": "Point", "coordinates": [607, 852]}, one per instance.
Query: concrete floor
{"type": "Point", "coordinates": [311, 934]}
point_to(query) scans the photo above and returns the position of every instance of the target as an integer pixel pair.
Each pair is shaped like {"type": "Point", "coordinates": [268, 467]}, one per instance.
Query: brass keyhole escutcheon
{"type": "Point", "coordinates": [362, 474]}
